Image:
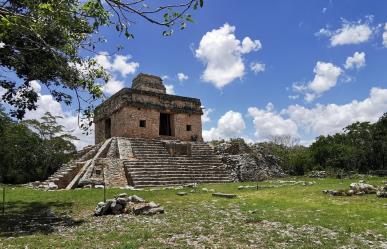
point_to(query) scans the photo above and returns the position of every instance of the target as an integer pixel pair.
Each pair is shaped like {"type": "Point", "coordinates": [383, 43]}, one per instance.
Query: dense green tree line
{"type": "Point", "coordinates": [32, 150]}
{"type": "Point", "coordinates": [361, 147]}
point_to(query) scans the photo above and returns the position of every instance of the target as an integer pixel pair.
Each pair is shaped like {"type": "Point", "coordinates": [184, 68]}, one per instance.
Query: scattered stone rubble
{"type": "Point", "coordinates": [248, 163]}
{"type": "Point", "coordinates": [382, 191]}
{"type": "Point", "coordinates": [124, 204]}
{"type": "Point", "coordinates": [42, 185]}
{"type": "Point", "coordinates": [359, 188]}
{"type": "Point", "coordinates": [317, 174]}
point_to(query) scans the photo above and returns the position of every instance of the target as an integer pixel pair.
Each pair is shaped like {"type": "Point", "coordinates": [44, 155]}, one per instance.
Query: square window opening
{"type": "Point", "coordinates": [142, 123]}
{"type": "Point", "coordinates": [189, 127]}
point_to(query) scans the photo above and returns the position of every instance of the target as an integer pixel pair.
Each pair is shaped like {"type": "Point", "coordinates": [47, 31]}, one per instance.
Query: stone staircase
{"type": "Point", "coordinates": [153, 165]}
{"type": "Point", "coordinates": [65, 174]}
{"type": "Point", "coordinates": [119, 162]}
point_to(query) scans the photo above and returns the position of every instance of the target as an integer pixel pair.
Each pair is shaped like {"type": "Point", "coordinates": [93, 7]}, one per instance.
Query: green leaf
{"type": "Point", "coordinates": [46, 6]}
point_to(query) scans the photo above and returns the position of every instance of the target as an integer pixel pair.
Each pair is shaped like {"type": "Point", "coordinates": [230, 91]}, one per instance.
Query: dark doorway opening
{"type": "Point", "coordinates": [165, 124]}
{"type": "Point", "coordinates": [108, 128]}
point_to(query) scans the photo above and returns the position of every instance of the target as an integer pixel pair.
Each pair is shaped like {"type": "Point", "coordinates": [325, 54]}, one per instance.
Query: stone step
{"type": "Point", "coordinates": [155, 166]}
{"type": "Point", "coordinates": [172, 183]}
{"type": "Point", "coordinates": [179, 175]}
{"type": "Point", "coordinates": [137, 180]}
{"type": "Point", "coordinates": [177, 172]}
{"type": "Point", "coordinates": [174, 165]}
{"type": "Point", "coordinates": [180, 158]}
{"type": "Point", "coordinates": [168, 161]}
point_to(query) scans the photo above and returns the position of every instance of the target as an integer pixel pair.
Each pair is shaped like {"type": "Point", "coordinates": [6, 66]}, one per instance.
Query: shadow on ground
{"type": "Point", "coordinates": [26, 218]}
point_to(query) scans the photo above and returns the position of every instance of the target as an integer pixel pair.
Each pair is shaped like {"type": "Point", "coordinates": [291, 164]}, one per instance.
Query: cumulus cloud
{"type": "Point", "coordinates": [349, 33]}
{"type": "Point", "coordinates": [307, 123]}
{"type": "Point", "coordinates": [120, 63]}
{"type": "Point", "coordinates": [170, 89]}
{"type": "Point", "coordinates": [113, 86]}
{"type": "Point", "coordinates": [268, 123]}
{"type": "Point", "coordinates": [332, 118]}
{"type": "Point", "coordinates": [182, 77]}
{"type": "Point", "coordinates": [249, 45]}
{"type": "Point", "coordinates": [222, 54]}
{"type": "Point", "coordinates": [257, 67]}
{"type": "Point", "coordinates": [385, 36]}
{"type": "Point", "coordinates": [206, 115]}
{"type": "Point", "coordinates": [356, 61]}
{"type": "Point", "coordinates": [46, 103]}
{"type": "Point", "coordinates": [230, 125]}
{"type": "Point", "coordinates": [326, 76]}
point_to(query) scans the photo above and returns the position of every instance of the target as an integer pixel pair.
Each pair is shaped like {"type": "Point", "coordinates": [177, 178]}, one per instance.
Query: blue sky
{"type": "Point", "coordinates": [320, 65]}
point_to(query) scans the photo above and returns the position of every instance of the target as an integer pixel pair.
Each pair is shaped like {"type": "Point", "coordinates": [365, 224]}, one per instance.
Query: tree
{"type": "Point", "coordinates": [43, 40]}
{"type": "Point", "coordinates": [29, 154]}
{"type": "Point", "coordinates": [379, 135]}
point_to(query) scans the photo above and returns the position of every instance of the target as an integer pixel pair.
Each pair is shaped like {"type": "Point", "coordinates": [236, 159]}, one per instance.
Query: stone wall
{"type": "Point", "coordinates": [126, 123]}
{"type": "Point", "coordinates": [181, 121]}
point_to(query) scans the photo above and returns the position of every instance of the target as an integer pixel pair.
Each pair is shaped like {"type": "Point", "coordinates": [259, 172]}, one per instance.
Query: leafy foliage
{"type": "Point", "coordinates": [361, 147]}
{"type": "Point", "coordinates": [32, 154]}
{"type": "Point", "coordinates": [44, 40]}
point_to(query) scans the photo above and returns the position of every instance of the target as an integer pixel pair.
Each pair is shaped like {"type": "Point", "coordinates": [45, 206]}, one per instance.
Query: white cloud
{"type": "Point", "coordinates": [113, 86]}
{"type": "Point", "coordinates": [118, 64]}
{"type": "Point", "coordinates": [332, 118]}
{"type": "Point", "coordinates": [249, 45]}
{"type": "Point", "coordinates": [170, 89]}
{"type": "Point", "coordinates": [165, 77]}
{"type": "Point", "coordinates": [385, 35]}
{"type": "Point", "coordinates": [326, 76]}
{"type": "Point", "coordinates": [206, 115]}
{"type": "Point", "coordinates": [230, 125]}
{"type": "Point", "coordinates": [36, 86]}
{"type": "Point", "coordinates": [349, 33]}
{"type": "Point", "coordinates": [257, 67]}
{"type": "Point", "coordinates": [222, 53]}
{"type": "Point", "coordinates": [268, 123]}
{"type": "Point", "coordinates": [356, 61]}
{"type": "Point", "coordinates": [46, 103]}
{"type": "Point", "coordinates": [182, 77]}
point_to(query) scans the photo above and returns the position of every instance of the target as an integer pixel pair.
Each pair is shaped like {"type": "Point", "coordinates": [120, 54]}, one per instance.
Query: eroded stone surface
{"type": "Point", "coordinates": [248, 164]}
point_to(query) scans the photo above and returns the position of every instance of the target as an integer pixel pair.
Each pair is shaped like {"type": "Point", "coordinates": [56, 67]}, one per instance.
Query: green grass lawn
{"type": "Point", "coordinates": [287, 216]}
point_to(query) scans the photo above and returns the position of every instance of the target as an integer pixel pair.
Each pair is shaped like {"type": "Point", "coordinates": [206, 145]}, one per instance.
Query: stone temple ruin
{"type": "Point", "coordinates": [144, 137]}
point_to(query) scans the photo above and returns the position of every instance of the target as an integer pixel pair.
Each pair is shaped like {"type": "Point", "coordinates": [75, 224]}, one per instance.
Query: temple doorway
{"type": "Point", "coordinates": [165, 125]}
{"type": "Point", "coordinates": [108, 128]}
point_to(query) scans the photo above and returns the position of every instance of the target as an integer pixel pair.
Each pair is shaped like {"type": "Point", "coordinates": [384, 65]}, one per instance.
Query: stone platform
{"type": "Point", "coordinates": [119, 162]}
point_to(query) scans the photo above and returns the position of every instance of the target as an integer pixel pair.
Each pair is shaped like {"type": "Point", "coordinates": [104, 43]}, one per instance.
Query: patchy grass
{"type": "Point", "coordinates": [285, 216]}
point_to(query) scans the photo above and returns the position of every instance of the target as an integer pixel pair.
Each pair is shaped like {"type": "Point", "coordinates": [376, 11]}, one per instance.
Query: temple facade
{"type": "Point", "coordinates": [146, 111]}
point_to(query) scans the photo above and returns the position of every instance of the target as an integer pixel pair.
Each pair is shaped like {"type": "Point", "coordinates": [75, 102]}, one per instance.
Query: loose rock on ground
{"type": "Point", "coordinates": [124, 204]}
